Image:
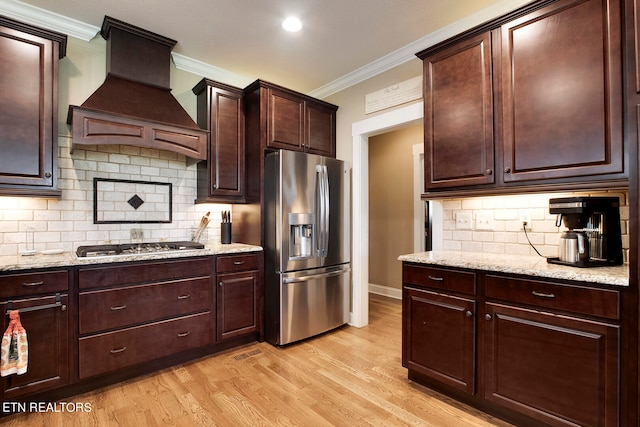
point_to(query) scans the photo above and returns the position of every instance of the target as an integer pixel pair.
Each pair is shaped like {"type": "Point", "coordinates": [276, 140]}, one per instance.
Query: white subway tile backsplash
{"type": "Point", "coordinates": [506, 234]}
{"type": "Point", "coordinates": [68, 222]}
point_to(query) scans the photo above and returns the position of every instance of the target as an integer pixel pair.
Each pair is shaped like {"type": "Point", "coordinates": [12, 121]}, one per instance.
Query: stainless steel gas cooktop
{"type": "Point", "coordinates": [136, 248]}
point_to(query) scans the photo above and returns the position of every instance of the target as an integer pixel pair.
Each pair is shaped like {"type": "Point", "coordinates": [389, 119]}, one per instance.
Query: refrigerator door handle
{"type": "Point", "coordinates": [315, 276]}
{"type": "Point", "coordinates": [322, 190]}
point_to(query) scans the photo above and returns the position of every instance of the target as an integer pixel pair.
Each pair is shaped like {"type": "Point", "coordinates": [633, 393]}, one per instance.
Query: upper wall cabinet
{"type": "Point", "coordinates": [533, 99]}
{"type": "Point", "coordinates": [293, 121]}
{"type": "Point", "coordinates": [29, 109]}
{"type": "Point", "coordinates": [220, 111]}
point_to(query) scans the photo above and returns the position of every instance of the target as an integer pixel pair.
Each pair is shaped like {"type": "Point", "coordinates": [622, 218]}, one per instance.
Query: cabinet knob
{"type": "Point", "coordinates": [47, 175]}
{"type": "Point", "coordinates": [468, 313]}
{"type": "Point", "coordinates": [221, 284]}
{"type": "Point", "coordinates": [488, 172]}
{"type": "Point", "coordinates": [487, 316]}
{"type": "Point", "coordinates": [507, 170]}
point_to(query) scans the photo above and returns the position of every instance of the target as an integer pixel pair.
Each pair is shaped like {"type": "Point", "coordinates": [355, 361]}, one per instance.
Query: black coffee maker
{"type": "Point", "coordinates": [593, 236]}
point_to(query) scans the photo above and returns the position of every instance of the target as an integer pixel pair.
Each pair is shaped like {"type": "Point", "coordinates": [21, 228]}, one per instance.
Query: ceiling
{"type": "Point", "coordinates": [341, 42]}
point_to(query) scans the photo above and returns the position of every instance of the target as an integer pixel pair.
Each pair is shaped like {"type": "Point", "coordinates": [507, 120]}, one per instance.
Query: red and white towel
{"type": "Point", "coordinates": [14, 355]}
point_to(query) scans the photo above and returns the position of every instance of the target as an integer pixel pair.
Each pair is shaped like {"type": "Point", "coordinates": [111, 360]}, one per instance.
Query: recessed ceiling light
{"type": "Point", "coordinates": [292, 24]}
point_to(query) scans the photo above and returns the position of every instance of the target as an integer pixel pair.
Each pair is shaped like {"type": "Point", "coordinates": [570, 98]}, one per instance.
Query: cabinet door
{"type": "Point", "coordinates": [320, 128]}
{"type": "Point", "coordinates": [562, 89]}
{"type": "Point", "coordinates": [237, 304]}
{"type": "Point", "coordinates": [226, 144]}
{"type": "Point", "coordinates": [28, 110]}
{"type": "Point", "coordinates": [560, 370]}
{"type": "Point", "coordinates": [439, 337]}
{"type": "Point", "coordinates": [458, 115]}
{"type": "Point", "coordinates": [48, 338]}
{"type": "Point", "coordinates": [286, 118]}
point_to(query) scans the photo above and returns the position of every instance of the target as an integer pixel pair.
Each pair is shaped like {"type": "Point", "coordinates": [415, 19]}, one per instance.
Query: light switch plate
{"type": "Point", "coordinates": [463, 220]}
{"type": "Point", "coordinates": [484, 221]}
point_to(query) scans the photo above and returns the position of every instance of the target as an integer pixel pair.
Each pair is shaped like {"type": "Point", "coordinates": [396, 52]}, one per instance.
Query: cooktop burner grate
{"type": "Point", "coordinates": [135, 248]}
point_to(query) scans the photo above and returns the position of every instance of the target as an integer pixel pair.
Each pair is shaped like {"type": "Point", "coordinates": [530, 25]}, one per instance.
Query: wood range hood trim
{"type": "Point", "coordinates": [134, 105]}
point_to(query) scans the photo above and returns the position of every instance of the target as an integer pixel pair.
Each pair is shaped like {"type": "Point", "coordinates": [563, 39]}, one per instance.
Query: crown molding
{"type": "Point", "coordinates": [409, 51]}
{"type": "Point", "coordinates": [52, 21]}
{"type": "Point", "coordinates": [33, 15]}
{"type": "Point", "coordinates": [209, 71]}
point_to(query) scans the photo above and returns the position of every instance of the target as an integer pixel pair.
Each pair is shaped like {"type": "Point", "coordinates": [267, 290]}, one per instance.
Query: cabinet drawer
{"type": "Point", "coordinates": [231, 263]}
{"type": "Point", "coordinates": [13, 285]}
{"type": "Point", "coordinates": [595, 302]}
{"type": "Point", "coordinates": [113, 275]}
{"type": "Point", "coordinates": [115, 350]}
{"type": "Point", "coordinates": [439, 278]}
{"type": "Point", "coordinates": [114, 308]}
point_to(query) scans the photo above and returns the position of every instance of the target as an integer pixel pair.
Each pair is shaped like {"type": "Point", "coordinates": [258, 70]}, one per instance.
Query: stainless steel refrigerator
{"type": "Point", "coordinates": [307, 245]}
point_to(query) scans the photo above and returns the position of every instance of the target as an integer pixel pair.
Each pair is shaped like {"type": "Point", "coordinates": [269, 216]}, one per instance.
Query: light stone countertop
{"type": "Point", "coordinates": [519, 264]}
{"type": "Point", "coordinates": [69, 259]}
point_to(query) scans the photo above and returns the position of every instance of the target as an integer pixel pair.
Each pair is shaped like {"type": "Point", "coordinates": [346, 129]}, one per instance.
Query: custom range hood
{"type": "Point", "coordinates": [134, 105]}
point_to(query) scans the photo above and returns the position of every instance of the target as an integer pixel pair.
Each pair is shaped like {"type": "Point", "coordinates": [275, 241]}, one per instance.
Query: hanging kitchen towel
{"type": "Point", "coordinates": [14, 354]}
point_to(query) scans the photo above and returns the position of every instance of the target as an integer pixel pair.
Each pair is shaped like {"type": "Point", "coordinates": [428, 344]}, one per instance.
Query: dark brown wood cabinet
{"type": "Point", "coordinates": [48, 330]}
{"type": "Point", "coordinates": [294, 121]}
{"type": "Point", "coordinates": [458, 115]}
{"type": "Point", "coordinates": [439, 325]}
{"type": "Point", "coordinates": [221, 111]}
{"type": "Point", "coordinates": [29, 109]}
{"type": "Point", "coordinates": [144, 311]}
{"type": "Point", "coordinates": [530, 99]}
{"type": "Point", "coordinates": [529, 350]}
{"type": "Point", "coordinates": [439, 337]}
{"type": "Point", "coordinates": [239, 290]}
{"type": "Point", "coordinates": [561, 370]}
{"type": "Point", "coordinates": [562, 92]}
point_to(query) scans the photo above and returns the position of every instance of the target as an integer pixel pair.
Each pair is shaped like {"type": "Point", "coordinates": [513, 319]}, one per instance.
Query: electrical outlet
{"type": "Point", "coordinates": [136, 234]}
{"type": "Point", "coordinates": [484, 221]}
{"type": "Point", "coordinates": [463, 220]}
{"type": "Point", "coordinates": [525, 217]}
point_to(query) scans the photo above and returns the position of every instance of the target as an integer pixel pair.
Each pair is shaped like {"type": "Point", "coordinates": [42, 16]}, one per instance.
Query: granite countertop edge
{"type": "Point", "coordinates": [523, 265]}
{"type": "Point", "coordinates": [68, 259]}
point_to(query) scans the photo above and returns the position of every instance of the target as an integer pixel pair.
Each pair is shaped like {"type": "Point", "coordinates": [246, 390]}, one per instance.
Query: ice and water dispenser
{"type": "Point", "coordinates": [301, 235]}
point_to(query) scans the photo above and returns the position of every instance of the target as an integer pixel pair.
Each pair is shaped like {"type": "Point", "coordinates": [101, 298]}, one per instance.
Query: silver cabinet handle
{"type": "Point", "coordinates": [238, 262]}
{"type": "Point", "coordinates": [118, 350]}
{"type": "Point", "coordinates": [184, 296]}
{"type": "Point", "coordinates": [120, 307]}
{"type": "Point", "coordinates": [436, 279]}
{"type": "Point", "coordinates": [30, 284]}
{"type": "Point", "coordinates": [542, 295]}
{"type": "Point", "coordinates": [487, 316]}
{"type": "Point", "coordinates": [183, 334]}
{"type": "Point", "coordinates": [469, 313]}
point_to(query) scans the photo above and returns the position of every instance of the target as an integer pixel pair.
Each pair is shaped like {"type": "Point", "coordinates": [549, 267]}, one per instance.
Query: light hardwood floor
{"type": "Point", "coordinates": [348, 377]}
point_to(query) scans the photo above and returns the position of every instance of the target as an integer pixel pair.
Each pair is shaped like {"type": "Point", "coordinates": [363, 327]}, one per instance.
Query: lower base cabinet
{"type": "Point", "coordinates": [537, 352]}
{"type": "Point", "coordinates": [237, 299]}
{"type": "Point", "coordinates": [560, 370]}
{"type": "Point", "coordinates": [448, 321]}
{"type": "Point", "coordinates": [43, 300]}
{"type": "Point", "coordinates": [108, 352]}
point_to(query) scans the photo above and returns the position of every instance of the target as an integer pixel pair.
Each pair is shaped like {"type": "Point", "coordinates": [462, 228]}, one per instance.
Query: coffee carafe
{"type": "Point", "coordinates": [593, 236]}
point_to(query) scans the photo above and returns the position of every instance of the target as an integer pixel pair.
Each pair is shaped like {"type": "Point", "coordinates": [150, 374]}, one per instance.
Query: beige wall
{"type": "Point", "coordinates": [391, 203]}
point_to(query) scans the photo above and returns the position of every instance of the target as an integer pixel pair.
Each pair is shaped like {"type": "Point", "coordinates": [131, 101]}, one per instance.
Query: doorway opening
{"type": "Point", "coordinates": [361, 131]}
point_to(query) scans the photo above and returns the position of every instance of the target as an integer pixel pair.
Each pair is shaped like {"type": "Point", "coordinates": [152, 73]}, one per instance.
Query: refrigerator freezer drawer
{"type": "Point", "coordinates": [312, 303]}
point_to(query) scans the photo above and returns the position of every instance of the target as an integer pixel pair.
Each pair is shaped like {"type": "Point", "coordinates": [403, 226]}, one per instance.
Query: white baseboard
{"type": "Point", "coordinates": [385, 291]}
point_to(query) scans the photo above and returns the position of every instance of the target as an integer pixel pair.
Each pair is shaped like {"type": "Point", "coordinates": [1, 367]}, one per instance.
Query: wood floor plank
{"type": "Point", "coordinates": [347, 377]}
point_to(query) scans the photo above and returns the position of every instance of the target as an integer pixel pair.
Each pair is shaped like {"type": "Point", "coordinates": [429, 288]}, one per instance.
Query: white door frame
{"type": "Point", "coordinates": [361, 131]}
